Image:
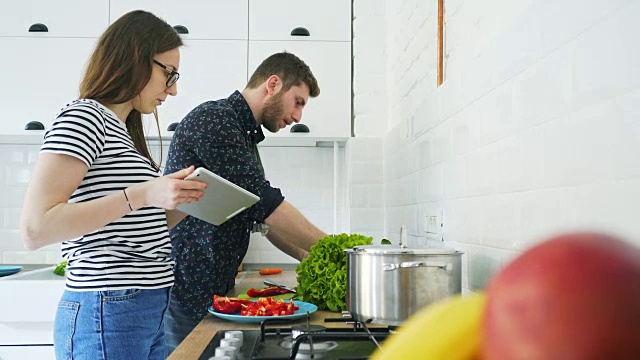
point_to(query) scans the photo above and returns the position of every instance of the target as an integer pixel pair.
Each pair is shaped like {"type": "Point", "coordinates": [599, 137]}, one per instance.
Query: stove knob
{"type": "Point", "coordinates": [234, 334]}
{"type": "Point", "coordinates": [228, 351]}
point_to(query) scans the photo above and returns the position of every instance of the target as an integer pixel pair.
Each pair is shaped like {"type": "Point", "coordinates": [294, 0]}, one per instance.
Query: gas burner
{"type": "Point", "coordinates": [311, 329]}
{"type": "Point", "coordinates": [309, 349]}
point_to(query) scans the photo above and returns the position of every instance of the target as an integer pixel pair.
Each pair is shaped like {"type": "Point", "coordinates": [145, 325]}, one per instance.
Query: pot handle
{"type": "Point", "coordinates": [415, 264]}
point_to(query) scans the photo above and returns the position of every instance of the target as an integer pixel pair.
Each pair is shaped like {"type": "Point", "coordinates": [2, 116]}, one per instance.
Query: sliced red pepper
{"type": "Point", "coordinates": [267, 292]}
{"type": "Point", "coordinates": [265, 306]}
{"type": "Point", "coordinates": [226, 305]}
{"type": "Point", "coordinates": [269, 307]}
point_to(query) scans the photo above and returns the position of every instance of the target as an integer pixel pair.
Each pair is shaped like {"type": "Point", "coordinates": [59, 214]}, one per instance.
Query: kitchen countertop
{"type": "Point", "coordinates": [29, 267]}
{"type": "Point", "coordinates": [34, 137]}
{"type": "Point", "coordinates": [194, 344]}
{"type": "Point", "coordinates": [26, 268]}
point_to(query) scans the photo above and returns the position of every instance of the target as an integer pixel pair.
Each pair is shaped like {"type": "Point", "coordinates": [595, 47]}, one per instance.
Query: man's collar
{"type": "Point", "coordinates": [240, 105]}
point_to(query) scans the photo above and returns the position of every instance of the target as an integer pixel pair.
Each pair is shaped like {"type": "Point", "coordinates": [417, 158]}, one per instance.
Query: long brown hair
{"type": "Point", "coordinates": [121, 64]}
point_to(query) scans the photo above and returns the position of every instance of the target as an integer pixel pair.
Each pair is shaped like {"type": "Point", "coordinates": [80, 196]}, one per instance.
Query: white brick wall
{"type": "Point", "coordinates": [370, 79]}
{"type": "Point", "coordinates": [536, 129]}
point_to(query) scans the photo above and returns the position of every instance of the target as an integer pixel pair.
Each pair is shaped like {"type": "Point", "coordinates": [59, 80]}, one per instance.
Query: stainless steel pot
{"type": "Point", "coordinates": [386, 284]}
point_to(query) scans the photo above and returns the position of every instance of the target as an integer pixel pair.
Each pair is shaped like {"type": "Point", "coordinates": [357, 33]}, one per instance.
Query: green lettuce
{"type": "Point", "coordinates": [60, 269]}
{"type": "Point", "coordinates": [322, 276]}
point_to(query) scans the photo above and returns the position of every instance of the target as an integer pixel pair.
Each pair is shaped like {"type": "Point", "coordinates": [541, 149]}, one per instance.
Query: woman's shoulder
{"type": "Point", "coordinates": [84, 106]}
{"type": "Point", "coordinates": [87, 110]}
{"type": "Point", "coordinates": [83, 115]}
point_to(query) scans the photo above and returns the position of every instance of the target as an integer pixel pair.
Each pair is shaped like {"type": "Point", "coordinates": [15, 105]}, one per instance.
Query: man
{"type": "Point", "coordinates": [222, 136]}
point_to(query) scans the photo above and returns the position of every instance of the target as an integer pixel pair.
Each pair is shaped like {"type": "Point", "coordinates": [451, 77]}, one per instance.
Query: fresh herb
{"type": "Point", "coordinates": [60, 269]}
{"type": "Point", "coordinates": [322, 276]}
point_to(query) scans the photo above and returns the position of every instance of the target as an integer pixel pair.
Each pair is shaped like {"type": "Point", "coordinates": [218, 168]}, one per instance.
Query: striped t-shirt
{"type": "Point", "coordinates": [133, 251]}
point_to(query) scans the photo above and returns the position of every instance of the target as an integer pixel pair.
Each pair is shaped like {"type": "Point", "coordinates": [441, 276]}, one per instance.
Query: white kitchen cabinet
{"type": "Point", "coordinates": [277, 25]}
{"type": "Point", "coordinates": [328, 20]}
{"type": "Point", "coordinates": [63, 18]}
{"type": "Point", "coordinates": [209, 70]}
{"type": "Point", "coordinates": [27, 311]}
{"type": "Point", "coordinates": [41, 76]}
{"type": "Point", "coordinates": [213, 62]}
{"type": "Point", "coordinates": [211, 19]}
{"type": "Point", "coordinates": [328, 115]}
{"type": "Point", "coordinates": [30, 297]}
{"type": "Point", "coordinates": [43, 69]}
{"type": "Point", "coordinates": [226, 40]}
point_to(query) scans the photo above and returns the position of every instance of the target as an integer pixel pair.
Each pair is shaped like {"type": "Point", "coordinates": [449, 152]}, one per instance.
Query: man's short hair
{"type": "Point", "coordinates": [289, 68]}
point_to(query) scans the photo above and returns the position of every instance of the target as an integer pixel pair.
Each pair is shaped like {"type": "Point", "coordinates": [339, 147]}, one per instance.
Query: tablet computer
{"type": "Point", "coordinates": [221, 201]}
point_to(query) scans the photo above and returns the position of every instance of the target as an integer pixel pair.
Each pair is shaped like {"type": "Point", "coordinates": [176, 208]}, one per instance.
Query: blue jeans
{"type": "Point", "coordinates": [114, 324]}
{"type": "Point", "coordinates": [177, 324]}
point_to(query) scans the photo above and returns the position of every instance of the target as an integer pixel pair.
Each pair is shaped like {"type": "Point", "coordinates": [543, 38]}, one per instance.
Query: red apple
{"type": "Point", "coordinates": [575, 296]}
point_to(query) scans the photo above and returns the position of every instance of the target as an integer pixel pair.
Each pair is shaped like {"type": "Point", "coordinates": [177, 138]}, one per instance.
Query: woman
{"type": "Point", "coordinates": [96, 184]}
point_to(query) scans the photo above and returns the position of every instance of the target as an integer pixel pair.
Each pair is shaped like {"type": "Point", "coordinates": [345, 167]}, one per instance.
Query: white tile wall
{"type": "Point", "coordinates": [15, 171]}
{"type": "Point", "coordinates": [365, 181]}
{"type": "Point", "coordinates": [305, 176]}
{"type": "Point", "coordinates": [536, 129]}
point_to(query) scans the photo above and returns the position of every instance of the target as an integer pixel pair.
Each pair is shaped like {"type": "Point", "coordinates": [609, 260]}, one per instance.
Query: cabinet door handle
{"type": "Point", "coordinates": [180, 29]}
{"type": "Point", "coordinates": [300, 31]}
{"type": "Point", "coordinates": [301, 128]}
{"type": "Point", "coordinates": [34, 125]}
{"type": "Point", "coordinates": [38, 28]}
{"type": "Point", "coordinates": [172, 126]}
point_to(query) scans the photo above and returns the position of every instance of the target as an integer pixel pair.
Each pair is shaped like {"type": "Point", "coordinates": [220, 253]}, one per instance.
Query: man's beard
{"type": "Point", "coordinates": [273, 113]}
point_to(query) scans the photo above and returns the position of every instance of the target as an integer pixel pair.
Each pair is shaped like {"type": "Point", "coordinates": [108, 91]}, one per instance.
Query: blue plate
{"type": "Point", "coordinates": [9, 270]}
{"type": "Point", "coordinates": [300, 313]}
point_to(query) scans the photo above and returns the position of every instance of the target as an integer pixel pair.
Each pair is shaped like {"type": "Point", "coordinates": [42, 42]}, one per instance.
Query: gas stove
{"type": "Point", "coordinates": [278, 340]}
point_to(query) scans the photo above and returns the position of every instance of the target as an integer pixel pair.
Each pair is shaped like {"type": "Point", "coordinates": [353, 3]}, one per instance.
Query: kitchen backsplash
{"type": "Point", "coordinates": [360, 201]}
{"type": "Point", "coordinates": [304, 174]}
{"type": "Point", "coordinates": [15, 170]}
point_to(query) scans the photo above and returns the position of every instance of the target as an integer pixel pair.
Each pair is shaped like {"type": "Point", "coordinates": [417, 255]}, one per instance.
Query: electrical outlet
{"type": "Point", "coordinates": [434, 225]}
{"type": "Point", "coordinates": [431, 225]}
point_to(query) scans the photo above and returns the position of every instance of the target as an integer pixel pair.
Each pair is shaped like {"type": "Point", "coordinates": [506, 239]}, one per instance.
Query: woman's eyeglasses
{"type": "Point", "coordinates": [172, 75]}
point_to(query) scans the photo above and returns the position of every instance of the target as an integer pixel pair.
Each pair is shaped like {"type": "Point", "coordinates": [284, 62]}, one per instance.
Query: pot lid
{"type": "Point", "coordinates": [395, 249]}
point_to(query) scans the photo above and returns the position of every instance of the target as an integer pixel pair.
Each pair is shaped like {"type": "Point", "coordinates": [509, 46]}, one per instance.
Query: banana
{"type": "Point", "coordinates": [445, 330]}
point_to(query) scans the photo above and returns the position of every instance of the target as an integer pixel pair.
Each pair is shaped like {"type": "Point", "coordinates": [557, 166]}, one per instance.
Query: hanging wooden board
{"type": "Point", "coordinates": [440, 41]}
